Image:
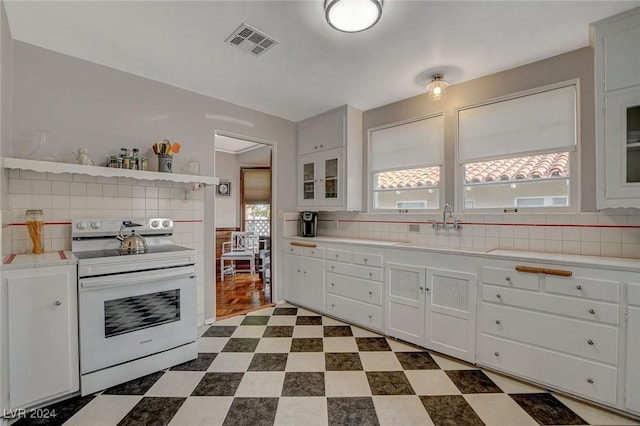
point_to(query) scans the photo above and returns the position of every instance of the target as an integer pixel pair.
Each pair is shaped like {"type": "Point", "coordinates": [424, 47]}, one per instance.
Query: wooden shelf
{"type": "Point", "coordinates": [52, 167]}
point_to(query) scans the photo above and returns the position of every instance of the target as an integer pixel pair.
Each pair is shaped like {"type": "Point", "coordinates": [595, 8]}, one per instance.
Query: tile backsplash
{"type": "Point", "coordinates": [593, 234]}
{"type": "Point", "coordinates": [64, 196]}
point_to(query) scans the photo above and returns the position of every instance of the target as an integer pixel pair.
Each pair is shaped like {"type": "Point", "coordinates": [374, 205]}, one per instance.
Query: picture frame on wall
{"type": "Point", "coordinates": [223, 189]}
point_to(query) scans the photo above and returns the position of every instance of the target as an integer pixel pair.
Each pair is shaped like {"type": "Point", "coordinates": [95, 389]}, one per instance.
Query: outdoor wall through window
{"type": "Point", "coordinates": [520, 152]}
{"type": "Point", "coordinates": [406, 163]}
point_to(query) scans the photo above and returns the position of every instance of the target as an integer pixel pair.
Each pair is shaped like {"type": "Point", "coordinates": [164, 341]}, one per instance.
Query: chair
{"type": "Point", "coordinates": [243, 246]}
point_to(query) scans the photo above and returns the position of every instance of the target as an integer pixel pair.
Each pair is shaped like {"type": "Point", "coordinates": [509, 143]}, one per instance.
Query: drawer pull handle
{"type": "Point", "coordinates": [592, 311]}
{"type": "Point", "coordinates": [498, 322]}
{"type": "Point", "coordinates": [535, 270]}
{"type": "Point", "coordinates": [590, 380]}
{"type": "Point", "coordinates": [58, 303]}
{"type": "Point", "coordinates": [590, 342]}
{"type": "Point", "coordinates": [499, 296]}
{"type": "Point", "coordinates": [508, 279]}
{"type": "Point", "coordinates": [496, 353]}
{"type": "Point", "coordinates": [302, 244]}
{"type": "Point", "coordinates": [578, 287]}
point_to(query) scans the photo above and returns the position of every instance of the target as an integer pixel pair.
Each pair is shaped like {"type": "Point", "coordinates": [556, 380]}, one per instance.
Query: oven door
{"type": "Point", "coordinates": [124, 317]}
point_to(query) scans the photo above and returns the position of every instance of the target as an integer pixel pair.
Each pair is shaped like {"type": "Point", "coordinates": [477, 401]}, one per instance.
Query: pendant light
{"type": "Point", "coordinates": [437, 88]}
{"type": "Point", "coordinates": [352, 16]}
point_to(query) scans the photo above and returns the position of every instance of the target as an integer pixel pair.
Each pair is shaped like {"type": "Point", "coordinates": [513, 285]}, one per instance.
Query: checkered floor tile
{"type": "Point", "coordinates": [289, 366]}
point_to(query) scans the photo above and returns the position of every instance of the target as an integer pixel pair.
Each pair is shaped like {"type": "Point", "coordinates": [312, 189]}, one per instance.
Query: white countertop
{"type": "Point", "coordinates": [29, 260]}
{"type": "Point", "coordinates": [613, 263]}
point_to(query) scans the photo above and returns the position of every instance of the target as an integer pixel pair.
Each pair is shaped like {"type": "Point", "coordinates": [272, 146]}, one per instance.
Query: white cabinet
{"type": "Point", "coordinates": [330, 161]}
{"type": "Point", "coordinates": [560, 331]}
{"type": "Point", "coordinates": [431, 307]}
{"type": "Point", "coordinates": [617, 82]}
{"type": "Point", "coordinates": [632, 373]}
{"type": "Point", "coordinates": [354, 285]}
{"type": "Point", "coordinates": [42, 334]}
{"type": "Point", "coordinates": [304, 276]}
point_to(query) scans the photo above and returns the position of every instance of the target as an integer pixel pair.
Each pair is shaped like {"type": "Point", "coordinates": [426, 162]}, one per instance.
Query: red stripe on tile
{"type": "Point", "coordinates": [188, 221]}
{"type": "Point", "coordinates": [9, 259]}
{"type": "Point", "coordinates": [44, 223]}
{"type": "Point", "coordinates": [62, 255]}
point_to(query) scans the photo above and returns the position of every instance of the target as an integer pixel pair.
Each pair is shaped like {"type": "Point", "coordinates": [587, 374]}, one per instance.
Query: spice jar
{"type": "Point", "coordinates": [34, 222]}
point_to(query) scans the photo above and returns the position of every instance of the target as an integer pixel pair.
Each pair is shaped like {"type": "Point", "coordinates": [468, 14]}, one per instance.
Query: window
{"type": "Point", "coordinates": [256, 200]}
{"type": "Point", "coordinates": [405, 165]}
{"type": "Point", "coordinates": [520, 152]}
{"type": "Point", "coordinates": [257, 219]}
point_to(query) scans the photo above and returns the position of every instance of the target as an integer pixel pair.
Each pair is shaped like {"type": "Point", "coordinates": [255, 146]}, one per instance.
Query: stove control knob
{"type": "Point", "coordinates": [155, 223]}
{"type": "Point", "coordinates": [96, 224]}
{"type": "Point", "coordinates": [166, 223]}
{"type": "Point", "coordinates": [82, 225]}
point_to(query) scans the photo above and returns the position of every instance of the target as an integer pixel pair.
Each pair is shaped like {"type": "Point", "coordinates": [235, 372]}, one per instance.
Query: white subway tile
{"type": "Point", "coordinates": [97, 213]}
{"type": "Point", "coordinates": [124, 191]}
{"type": "Point", "coordinates": [41, 187]}
{"type": "Point", "coordinates": [151, 192]}
{"type": "Point", "coordinates": [553, 246]}
{"type": "Point", "coordinates": [138, 191]}
{"type": "Point", "coordinates": [20, 186]}
{"type": "Point", "coordinates": [94, 202]}
{"type": "Point", "coordinates": [127, 181]}
{"type": "Point", "coordinates": [570, 234]}
{"type": "Point", "coordinates": [60, 202]}
{"type": "Point", "coordinates": [39, 201]}
{"type": "Point", "coordinates": [164, 192]}
{"type": "Point", "coordinates": [506, 231]}
{"type": "Point", "coordinates": [60, 177]}
{"type": "Point", "coordinates": [630, 236]}
{"type": "Point", "coordinates": [612, 235]}
{"type": "Point", "coordinates": [20, 201]}
{"type": "Point", "coordinates": [77, 202]}
{"type": "Point", "coordinates": [521, 244]}
{"type": "Point", "coordinates": [109, 190]}
{"type": "Point", "coordinates": [571, 247]}
{"type": "Point", "coordinates": [77, 213]}
{"type": "Point", "coordinates": [521, 232]}
{"type": "Point", "coordinates": [146, 183]}
{"type": "Point", "coordinates": [94, 189]}
{"type": "Point", "coordinates": [84, 178]}
{"type": "Point", "coordinates": [492, 243]}
{"type": "Point", "coordinates": [61, 214]}
{"type": "Point", "coordinates": [60, 188]}
{"type": "Point", "coordinates": [124, 203]}
{"type": "Point", "coordinates": [590, 234]}
{"type": "Point", "coordinates": [30, 174]}
{"type": "Point", "coordinates": [77, 188]}
{"type": "Point", "coordinates": [612, 219]}
{"type": "Point", "coordinates": [611, 249]}
{"type": "Point", "coordinates": [590, 248]}
{"type": "Point", "coordinates": [164, 184]}
{"type": "Point", "coordinates": [151, 204]}
{"type": "Point", "coordinates": [139, 213]}
{"type": "Point", "coordinates": [108, 180]}
{"type": "Point", "coordinates": [553, 233]}
{"type": "Point", "coordinates": [139, 203]}
{"type": "Point", "coordinates": [506, 243]}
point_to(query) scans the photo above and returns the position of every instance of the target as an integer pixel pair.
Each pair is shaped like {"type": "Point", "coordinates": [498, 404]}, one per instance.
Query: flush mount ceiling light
{"type": "Point", "coordinates": [352, 16]}
{"type": "Point", "coordinates": [437, 89]}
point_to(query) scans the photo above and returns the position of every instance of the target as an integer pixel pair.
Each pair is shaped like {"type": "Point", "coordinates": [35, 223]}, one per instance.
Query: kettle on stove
{"type": "Point", "coordinates": [131, 243]}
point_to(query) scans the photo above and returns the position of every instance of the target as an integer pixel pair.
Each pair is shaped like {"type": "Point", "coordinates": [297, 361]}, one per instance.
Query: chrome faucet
{"type": "Point", "coordinates": [444, 225]}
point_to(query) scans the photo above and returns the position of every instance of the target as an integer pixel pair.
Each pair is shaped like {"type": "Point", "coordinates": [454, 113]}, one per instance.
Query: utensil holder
{"type": "Point", "coordinates": [165, 163]}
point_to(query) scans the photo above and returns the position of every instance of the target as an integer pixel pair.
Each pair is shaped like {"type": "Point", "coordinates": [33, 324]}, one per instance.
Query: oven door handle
{"type": "Point", "coordinates": [135, 278]}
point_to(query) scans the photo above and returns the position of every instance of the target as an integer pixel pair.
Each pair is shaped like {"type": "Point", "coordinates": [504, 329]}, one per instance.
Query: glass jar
{"type": "Point", "coordinates": [34, 222]}
{"type": "Point", "coordinates": [43, 150]}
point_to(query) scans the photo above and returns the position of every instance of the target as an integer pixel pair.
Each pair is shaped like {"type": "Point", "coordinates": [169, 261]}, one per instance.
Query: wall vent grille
{"type": "Point", "coordinates": [251, 40]}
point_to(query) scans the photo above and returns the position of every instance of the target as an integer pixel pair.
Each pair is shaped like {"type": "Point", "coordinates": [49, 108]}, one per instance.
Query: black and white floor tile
{"type": "Point", "coordinates": [289, 366]}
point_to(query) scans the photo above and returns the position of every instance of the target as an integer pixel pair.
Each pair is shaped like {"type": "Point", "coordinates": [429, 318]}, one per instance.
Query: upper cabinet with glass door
{"type": "Point", "coordinates": [330, 161]}
{"type": "Point", "coordinates": [617, 80]}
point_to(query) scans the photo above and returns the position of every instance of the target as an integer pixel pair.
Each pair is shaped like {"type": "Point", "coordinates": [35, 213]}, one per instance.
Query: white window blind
{"type": "Point", "coordinates": [257, 186]}
{"type": "Point", "coordinates": [544, 121]}
{"type": "Point", "coordinates": [416, 144]}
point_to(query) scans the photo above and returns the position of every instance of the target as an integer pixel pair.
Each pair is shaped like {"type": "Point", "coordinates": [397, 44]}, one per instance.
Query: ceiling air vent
{"type": "Point", "coordinates": [251, 40]}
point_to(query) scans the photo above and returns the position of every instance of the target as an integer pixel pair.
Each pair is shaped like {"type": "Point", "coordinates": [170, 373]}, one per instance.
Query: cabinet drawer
{"type": "Point", "coordinates": [583, 287]}
{"type": "Point", "coordinates": [355, 288]}
{"type": "Point", "coordinates": [510, 278]}
{"type": "Point", "coordinates": [367, 259]}
{"type": "Point", "coordinates": [361, 313]}
{"type": "Point", "coordinates": [587, 340]}
{"type": "Point", "coordinates": [582, 377]}
{"type": "Point", "coordinates": [633, 294]}
{"type": "Point", "coordinates": [339, 255]}
{"type": "Point", "coordinates": [288, 248]}
{"type": "Point", "coordinates": [317, 252]}
{"type": "Point", "coordinates": [364, 272]}
{"type": "Point", "coordinates": [578, 308]}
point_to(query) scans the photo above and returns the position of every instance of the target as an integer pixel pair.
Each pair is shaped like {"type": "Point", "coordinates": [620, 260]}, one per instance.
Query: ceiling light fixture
{"type": "Point", "coordinates": [352, 16]}
{"type": "Point", "coordinates": [437, 89]}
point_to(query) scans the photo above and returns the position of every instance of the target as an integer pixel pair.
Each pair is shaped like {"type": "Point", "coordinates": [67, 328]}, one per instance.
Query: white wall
{"type": "Point", "coordinates": [227, 210]}
{"type": "Point", "coordinates": [90, 105]}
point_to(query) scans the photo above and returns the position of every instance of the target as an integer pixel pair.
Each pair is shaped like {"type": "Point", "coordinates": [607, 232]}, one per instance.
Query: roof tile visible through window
{"type": "Point", "coordinates": [532, 167]}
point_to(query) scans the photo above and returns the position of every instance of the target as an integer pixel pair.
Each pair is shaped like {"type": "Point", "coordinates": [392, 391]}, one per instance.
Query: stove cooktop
{"type": "Point", "coordinates": [97, 254]}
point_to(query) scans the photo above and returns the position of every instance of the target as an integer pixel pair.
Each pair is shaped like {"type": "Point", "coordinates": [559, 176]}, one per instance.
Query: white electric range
{"type": "Point", "coordinates": [137, 311]}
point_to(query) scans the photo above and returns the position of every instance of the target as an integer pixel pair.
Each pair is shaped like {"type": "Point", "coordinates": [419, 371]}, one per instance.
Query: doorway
{"type": "Point", "coordinates": [243, 207]}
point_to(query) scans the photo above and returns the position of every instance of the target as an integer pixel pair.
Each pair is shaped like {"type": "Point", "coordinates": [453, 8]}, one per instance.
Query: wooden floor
{"type": "Point", "coordinates": [238, 294]}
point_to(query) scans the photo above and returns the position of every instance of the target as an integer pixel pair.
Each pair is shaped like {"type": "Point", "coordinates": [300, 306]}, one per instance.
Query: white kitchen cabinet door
{"type": "Point", "coordinates": [632, 376]}
{"type": "Point", "coordinates": [324, 131]}
{"type": "Point", "coordinates": [304, 281]}
{"type": "Point", "coordinates": [406, 286]}
{"type": "Point", "coordinates": [322, 179]}
{"type": "Point", "coordinates": [292, 277]}
{"type": "Point", "coordinates": [451, 313]}
{"type": "Point", "coordinates": [42, 334]}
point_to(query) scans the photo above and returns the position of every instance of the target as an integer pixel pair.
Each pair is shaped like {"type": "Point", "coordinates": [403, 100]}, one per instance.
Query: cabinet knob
{"type": "Point", "coordinates": [590, 380]}
{"type": "Point", "coordinates": [304, 272]}
{"type": "Point", "coordinates": [370, 316]}
{"type": "Point", "coordinates": [590, 342]}
{"type": "Point", "coordinates": [321, 146]}
{"type": "Point", "coordinates": [370, 293]}
{"type": "Point", "coordinates": [370, 274]}
{"type": "Point", "coordinates": [366, 260]}
{"type": "Point", "coordinates": [299, 271]}
{"type": "Point", "coordinates": [313, 252]}
{"type": "Point", "coordinates": [315, 147]}
{"type": "Point", "coordinates": [333, 305]}
{"type": "Point", "coordinates": [498, 322]}
{"type": "Point", "coordinates": [337, 255]}
{"type": "Point", "coordinates": [421, 288]}
{"type": "Point", "coordinates": [58, 303]}
{"type": "Point", "coordinates": [579, 287]}
{"type": "Point", "coordinates": [592, 311]}
{"type": "Point", "coordinates": [499, 296]}
{"type": "Point", "coordinates": [332, 267]}
{"type": "Point", "coordinates": [508, 279]}
{"type": "Point", "coordinates": [427, 289]}
{"type": "Point", "coordinates": [496, 353]}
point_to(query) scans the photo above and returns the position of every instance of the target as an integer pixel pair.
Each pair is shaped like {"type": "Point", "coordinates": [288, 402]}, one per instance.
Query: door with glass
{"type": "Point", "coordinates": [321, 179]}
